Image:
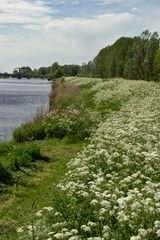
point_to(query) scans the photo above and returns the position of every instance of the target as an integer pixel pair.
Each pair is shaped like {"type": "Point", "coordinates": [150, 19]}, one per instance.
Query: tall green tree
{"type": "Point", "coordinates": [156, 66]}
{"type": "Point", "coordinates": [151, 48]}
{"type": "Point", "coordinates": [129, 57]}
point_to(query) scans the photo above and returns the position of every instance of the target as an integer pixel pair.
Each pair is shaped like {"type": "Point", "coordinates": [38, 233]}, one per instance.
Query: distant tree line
{"type": "Point", "coordinates": [53, 71]}
{"type": "Point", "coordinates": [130, 58]}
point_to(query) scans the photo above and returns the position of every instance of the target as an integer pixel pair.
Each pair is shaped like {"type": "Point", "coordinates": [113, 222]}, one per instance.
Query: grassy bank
{"type": "Point", "coordinates": [36, 186]}
{"type": "Point", "coordinates": [34, 162]}
{"type": "Point", "coordinates": [110, 189]}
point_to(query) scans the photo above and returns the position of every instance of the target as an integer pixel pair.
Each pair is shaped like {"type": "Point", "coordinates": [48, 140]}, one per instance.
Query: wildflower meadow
{"type": "Point", "coordinates": [112, 189]}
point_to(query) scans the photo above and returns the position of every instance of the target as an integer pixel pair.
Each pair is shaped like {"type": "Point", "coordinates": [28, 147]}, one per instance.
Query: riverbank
{"type": "Point", "coordinates": [36, 152]}
{"type": "Point", "coordinates": [109, 190]}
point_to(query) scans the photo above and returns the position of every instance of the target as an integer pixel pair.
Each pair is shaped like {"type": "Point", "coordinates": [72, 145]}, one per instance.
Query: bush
{"type": "Point", "coordinates": [23, 155]}
{"type": "Point", "coordinates": [5, 175]}
{"type": "Point", "coordinates": [29, 132]}
{"type": "Point", "coordinates": [5, 148]}
{"type": "Point", "coordinates": [58, 73]}
{"type": "Point", "coordinates": [74, 124]}
{"type": "Point", "coordinates": [69, 118]}
{"type": "Point", "coordinates": [14, 156]}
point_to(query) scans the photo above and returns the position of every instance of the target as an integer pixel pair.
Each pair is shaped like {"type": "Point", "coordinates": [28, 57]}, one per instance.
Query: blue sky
{"type": "Point", "coordinates": [39, 32]}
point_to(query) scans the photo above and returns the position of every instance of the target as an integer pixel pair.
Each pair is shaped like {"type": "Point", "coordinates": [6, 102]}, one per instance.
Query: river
{"type": "Point", "coordinates": [20, 100]}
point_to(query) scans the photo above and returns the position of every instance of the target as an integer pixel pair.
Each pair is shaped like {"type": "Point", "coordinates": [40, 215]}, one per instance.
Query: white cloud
{"type": "Point", "coordinates": [4, 40]}
{"type": "Point", "coordinates": [108, 1]}
{"type": "Point", "coordinates": [31, 35]}
{"type": "Point", "coordinates": [65, 40]}
{"type": "Point", "coordinates": [24, 12]}
{"type": "Point", "coordinates": [24, 7]}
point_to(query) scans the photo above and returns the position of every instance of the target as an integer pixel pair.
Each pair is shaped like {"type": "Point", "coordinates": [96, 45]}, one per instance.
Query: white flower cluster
{"type": "Point", "coordinates": [71, 121]}
{"type": "Point", "coordinates": [119, 90]}
{"type": "Point", "coordinates": [115, 180]}
{"type": "Point", "coordinates": [112, 188]}
{"type": "Point", "coordinates": [38, 227]}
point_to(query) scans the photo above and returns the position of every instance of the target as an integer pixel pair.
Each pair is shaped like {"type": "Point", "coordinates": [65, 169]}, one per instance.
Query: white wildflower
{"type": "Point", "coordinates": [20, 230]}
{"type": "Point", "coordinates": [85, 228]}
{"type": "Point", "coordinates": [59, 235]}
{"type": "Point", "coordinates": [39, 213]}
{"type": "Point", "coordinates": [49, 209]}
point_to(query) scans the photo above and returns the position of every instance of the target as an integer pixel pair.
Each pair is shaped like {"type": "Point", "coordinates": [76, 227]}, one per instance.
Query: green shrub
{"type": "Point", "coordinates": [55, 131]}
{"type": "Point", "coordinates": [74, 125]}
{"type": "Point", "coordinates": [14, 156]}
{"type": "Point", "coordinates": [5, 175]}
{"type": "Point", "coordinates": [5, 148]}
{"type": "Point", "coordinates": [23, 155]}
{"type": "Point", "coordinates": [58, 73]}
{"type": "Point", "coordinates": [29, 132]}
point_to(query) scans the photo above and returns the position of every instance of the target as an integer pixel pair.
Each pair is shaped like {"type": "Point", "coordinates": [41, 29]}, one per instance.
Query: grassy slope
{"type": "Point", "coordinates": [36, 185]}
{"type": "Point", "coordinates": [37, 180]}
{"type": "Point", "coordinates": [42, 179]}
{"type": "Point", "coordinates": [39, 185]}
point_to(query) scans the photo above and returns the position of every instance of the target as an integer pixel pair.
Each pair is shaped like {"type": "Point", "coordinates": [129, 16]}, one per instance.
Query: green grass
{"type": "Point", "coordinates": [14, 157]}
{"type": "Point", "coordinates": [34, 181]}
{"type": "Point", "coordinates": [29, 132]}
{"type": "Point", "coordinates": [36, 185]}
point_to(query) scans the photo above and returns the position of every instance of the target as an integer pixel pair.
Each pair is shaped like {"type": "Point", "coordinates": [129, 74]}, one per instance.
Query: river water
{"type": "Point", "coordinates": [20, 100]}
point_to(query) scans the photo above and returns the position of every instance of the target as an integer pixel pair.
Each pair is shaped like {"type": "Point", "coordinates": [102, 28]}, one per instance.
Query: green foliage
{"type": "Point", "coordinates": [131, 58]}
{"type": "Point", "coordinates": [87, 70]}
{"type": "Point", "coordinates": [110, 105]}
{"type": "Point", "coordinates": [156, 66]}
{"type": "Point", "coordinates": [38, 184]}
{"type": "Point", "coordinates": [58, 73]}
{"type": "Point", "coordinates": [23, 155]}
{"type": "Point", "coordinates": [110, 60]}
{"type": "Point", "coordinates": [50, 72]}
{"type": "Point", "coordinates": [14, 156]}
{"type": "Point", "coordinates": [53, 127]}
{"type": "Point", "coordinates": [5, 175]}
{"type": "Point", "coordinates": [5, 148]}
{"type": "Point", "coordinates": [70, 120]}
{"type": "Point", "coordinates": [70, 70]}
{"type": "Point", "coordinates": [74, 125]}
{"type": "Point", "coordinates": [29, 132]}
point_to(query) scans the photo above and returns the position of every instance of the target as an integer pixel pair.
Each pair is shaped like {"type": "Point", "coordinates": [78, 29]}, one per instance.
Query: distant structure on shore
{"type": "Point", "coordinates": [17, 73]}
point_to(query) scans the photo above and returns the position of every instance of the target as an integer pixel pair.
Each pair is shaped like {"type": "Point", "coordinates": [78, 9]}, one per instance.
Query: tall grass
{"type": "Point", "coordinates": [32, 130]}
{"type": "Point", "coordinates": [15, 156]}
